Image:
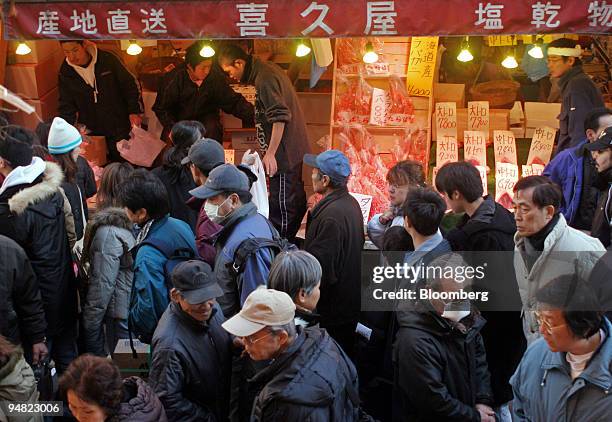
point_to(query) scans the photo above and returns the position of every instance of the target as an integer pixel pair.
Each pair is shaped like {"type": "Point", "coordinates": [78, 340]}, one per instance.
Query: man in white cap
{"type": "Point", "coordinates": [309, 378]}
{"type": "Point", "coordinates": [579, 93]}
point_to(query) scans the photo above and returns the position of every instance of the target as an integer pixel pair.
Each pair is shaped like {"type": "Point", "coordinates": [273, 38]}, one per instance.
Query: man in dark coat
{"type": "Point", "coordinates": [334, 235]}
{"type": "Point", "coordinates": [197, 90]}
{"type": "Point", "coordinates": [281, 133]}
{"type": "Point", "coordinates": [309, 378]}
{"type": "Point", "coordinates": [97, 91]}
{"type": "Point", "coordinates": [439, 357]}
{"type": "Point", "coordinates": [32, 212]}
{"type": "Point", "coordinates": [579, 93]}
{"type": "Point", "coordinates": [486, 227]}
{"type": "Point", "coordinates": [191, 352]}
{"type": "Point", "coordinates": [22, 318]}
{"type": "Point", "coordinates": [601, 150]}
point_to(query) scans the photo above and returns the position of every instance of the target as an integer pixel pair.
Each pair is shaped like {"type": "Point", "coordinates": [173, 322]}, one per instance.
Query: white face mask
{"type": "Point", "coordinates": [455, 316]}
{"type": "Point", "coordinates": [456, 311]}
{"type": "Point", "coordinates": [212, 211]}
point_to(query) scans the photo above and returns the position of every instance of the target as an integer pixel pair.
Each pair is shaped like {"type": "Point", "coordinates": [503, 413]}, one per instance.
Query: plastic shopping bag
{"type": "Point", "coordinates": [259, 190]}
{"type": "Point", "coordinates": [141, 149]}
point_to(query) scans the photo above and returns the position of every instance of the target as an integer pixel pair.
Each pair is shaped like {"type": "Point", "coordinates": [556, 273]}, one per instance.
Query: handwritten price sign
{"type": "Point", "coordinates": [506, 176]}
{"type": "Point", "coordinates": [378, 112]}
{"type": "Point", "coordinates": [421, 66]}
{"type": "Point", "coordinates": [541, 146]}
{"type": "Point", "coordinates": [483, 178]}
{"type": "Point", "coordinates": [365, 203]}
{"type": "Point", "coordinates": [230, 156]}
{"type": "Point", "coordinates": [377, 69]}
{"type": "Point", "coordinates": [446, 150]}
{"type": "Point", "coordinates": [475, 148]}
{"type": "Point", "coordinates": [446, 119]}
{"type": "Point", "coordinates": [478, 117]}
{"type": "Point", "coordinates": [504, 145]}
{"type": "Point", "coordinates": [532, 170]}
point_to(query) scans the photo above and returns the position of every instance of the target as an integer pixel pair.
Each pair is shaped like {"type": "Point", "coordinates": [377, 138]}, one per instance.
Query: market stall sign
{"type": "Point", "coordinates": [446, 119]}
{"type": "Point", "coordinates": [302, 18]}
{"type": "Point", "coordinates": [504, 146]}
{"type": "Point", "coordinates": [230, 155]}
{"type": "Point", "coordinates": [541, 146]}
{"type": "Point", "coordinates": [365, 204]}
{"type": "Point", "coordinates": [421, 66]}
{"type": "Point", "coordinates": [446, 150]}
{"type": "Point", "coordinates": [475, 148]}
{"type": "Point", "coordinates": [532, 170]}
{"type": "Point", "coordinates": [478, 117]}
{"type": "Point", "coordinates": [506, 176]}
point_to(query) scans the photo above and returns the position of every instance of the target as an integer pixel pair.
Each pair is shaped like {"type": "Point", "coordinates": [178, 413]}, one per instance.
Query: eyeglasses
{"type": "Point", "coordinates": [548, 328]}
{"type": "Point", "coordinates": [252, 342]}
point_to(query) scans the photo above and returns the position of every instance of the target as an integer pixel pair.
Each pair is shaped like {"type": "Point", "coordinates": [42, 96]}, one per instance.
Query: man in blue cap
{"type": "Point", "coordinates": [334, 235]}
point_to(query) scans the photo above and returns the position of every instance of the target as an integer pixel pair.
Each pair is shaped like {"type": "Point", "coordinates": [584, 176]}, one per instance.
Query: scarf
{"type": "Point", "coordinates": [89, 73]}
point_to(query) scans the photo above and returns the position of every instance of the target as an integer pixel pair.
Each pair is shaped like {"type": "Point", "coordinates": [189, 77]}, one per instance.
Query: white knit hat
{"type": "Point", "coordinates": [63, 137]}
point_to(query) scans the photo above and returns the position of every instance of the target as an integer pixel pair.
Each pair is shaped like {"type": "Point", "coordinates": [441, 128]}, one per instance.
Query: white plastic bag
{"type": "Point", "coordinates": [259, 190]}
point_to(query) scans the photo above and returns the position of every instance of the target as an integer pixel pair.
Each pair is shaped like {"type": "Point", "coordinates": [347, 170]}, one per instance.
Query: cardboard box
{"type": "Point", "coordinates": [34, 80]}
{"type": "Point", "coordinates": [244, 138]}
{"type": "Point", "coordinates": [46, 108]}
{"type": "Point", "coordinates": [449, 93]}
{"type": "Point", "coordinates": [316, 107]}
{"type": "Point", "coordinates": [499, 119]}
{"type": "Point", "coordinates": [125, 360]}
{"type": "Point", "coordinates": [542, 114]}
{"type": "Point", "coordinates": [41, 50]}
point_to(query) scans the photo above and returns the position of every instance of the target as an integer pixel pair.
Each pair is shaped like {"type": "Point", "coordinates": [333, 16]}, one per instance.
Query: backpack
{"type": "Point", "coordinates": [173, 258]}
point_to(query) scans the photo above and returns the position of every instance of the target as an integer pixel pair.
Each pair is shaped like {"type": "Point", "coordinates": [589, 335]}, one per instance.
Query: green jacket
{"type": "Point", "coordinates": [17, 383]}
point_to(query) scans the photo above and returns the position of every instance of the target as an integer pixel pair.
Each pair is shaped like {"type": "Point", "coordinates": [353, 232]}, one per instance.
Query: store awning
{"type": "Point", "coordinates": [302, 18]}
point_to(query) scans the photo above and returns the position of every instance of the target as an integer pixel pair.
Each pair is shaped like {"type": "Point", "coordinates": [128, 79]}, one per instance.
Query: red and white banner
{"type": "Point", "coordinates": [303, 18]}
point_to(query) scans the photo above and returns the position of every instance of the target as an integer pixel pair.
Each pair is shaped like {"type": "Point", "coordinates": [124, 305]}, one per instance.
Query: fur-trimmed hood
{"type": "Point", "coordinates": [115, 217]}
{"type": "Point", "coordinates": [52, 179]}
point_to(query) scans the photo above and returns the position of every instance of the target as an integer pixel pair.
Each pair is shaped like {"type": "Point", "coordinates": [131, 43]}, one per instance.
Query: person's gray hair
{"type": "Point", "coordinates": [289, 328]}
{"type": "Point", "coordinates": [295, 270]}
{"type": "Point", "coordinates": [449, 266]}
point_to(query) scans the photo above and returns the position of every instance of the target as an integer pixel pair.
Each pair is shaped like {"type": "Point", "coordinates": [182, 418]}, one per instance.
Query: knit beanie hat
{"type": "Point", "coordinates": [63, 137]}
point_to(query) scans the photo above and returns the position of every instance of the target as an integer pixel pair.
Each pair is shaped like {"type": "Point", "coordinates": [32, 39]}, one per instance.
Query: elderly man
{"type": "Point", "coordinates": [546, 246]}
{"type": "Point", "coordinates": [310, 377]}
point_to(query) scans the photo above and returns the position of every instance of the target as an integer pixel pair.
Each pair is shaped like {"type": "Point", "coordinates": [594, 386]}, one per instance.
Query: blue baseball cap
{"type": "Point", "coordinates": [332, 163]}
{"type": "Point", "coordinates": [225, 178]}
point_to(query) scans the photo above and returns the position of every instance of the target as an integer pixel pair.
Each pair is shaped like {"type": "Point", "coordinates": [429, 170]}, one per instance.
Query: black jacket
{"type": "Point", "coordinates": [178, 183]}
{"type": "Point", "coordinates": [179, 98]}
{"type": "Point", "coordinates": [313, 380]}
{"type": "Point", "coordinates": [75, 198]}
{"type": "Point", "coordinates": [21, 310]}
{"type": "Point", "coordinates": [334, 235]}
{"type": "Point", "coordinates": [191, 366]}
{"type": "Point", "coordinates": [118, 97]}
{"type": "Point", "coordinates": [139, 403]}
{"type": "Point", "coordinates": [603, 213]}
{"type": "Point", "coordinates": [33, 216]}
{"type": "Point", "coordinates": [440, 369]}
{"type": "Point", "coordinates": [277, 101]}
{"type": "Point", "coordinates": [86, 180]}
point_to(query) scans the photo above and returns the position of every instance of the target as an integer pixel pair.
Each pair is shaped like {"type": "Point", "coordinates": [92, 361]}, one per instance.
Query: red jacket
{"type": "Point", "coordinates": [206, 231]}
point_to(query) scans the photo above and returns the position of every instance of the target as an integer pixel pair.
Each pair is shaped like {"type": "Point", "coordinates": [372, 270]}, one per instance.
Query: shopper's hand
{"type": "Point", "coordinates": [386, 217]}
{"type": "Point", "coordinates": [135, 120]}
{"type": "Point", "coordinates": [39, 352]}
{"type": "Point", "coordinates": [486, 413]}
{"type": "Point", "coordinates": [269, 162]}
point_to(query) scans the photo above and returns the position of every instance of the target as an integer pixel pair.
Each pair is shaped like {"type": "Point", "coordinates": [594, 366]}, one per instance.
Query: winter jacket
{"type": "Point", "coordinates": [488, 231]}
{"type": "Point", "coordinates": [603, 215]}
{"type": "Point", "coordinates": [566, 251]}
{"type": "Point", "coordinates": [139, 404]}
{"type": "Point", "coordinates": [313, 380]}
{"type": "Point", "coordinates": [17, 384]}
{"type": "Point", "coordinates": [107, 113]}
{"type": "Point", "coordinates": [150, 297]}
{"type": "Point", "coordinates": [544, 389]}
{"type": "Point", "coordinates": [334, 235]}
{"type": "Point", "coordinates": [178, 183]}
{"type": "Point", "coordinates": [74, 195]}
{"type": "Point", "coordinates": [277, 101]}
{"type": "Point", "coordinates": [579, 97]}
{"type": "Point", "coordinates": [21, 309]}
{"type": "Point", "coordinates": [440, 368]}
{"type": "Point", "coordinates": [87, 182]}
{"type": "Point", "coordinates": [191, 366]}
{"type": "Point", "coordinates": [244, 223]}
{"type": "Point", "coordinates": [179, 98]}
{"type": "Point", "coordinates": [107, 250]}
{"type": "Point", "coordinates": [206, 231]}
{"type": "Point", "coordinates": [376, 230]}
{"type": "Point", "coordinates": [33, 215]}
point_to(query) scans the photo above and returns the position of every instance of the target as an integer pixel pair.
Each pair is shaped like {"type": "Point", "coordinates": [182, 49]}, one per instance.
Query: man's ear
{"type": "Point", "coordinates": [550, 211]}
{"type": "Point", "coordinates": [407, 224]}
{"type": "Point", "coordinates": [174, 294]}
{"type": "Point", "coordinates": [591, 135]}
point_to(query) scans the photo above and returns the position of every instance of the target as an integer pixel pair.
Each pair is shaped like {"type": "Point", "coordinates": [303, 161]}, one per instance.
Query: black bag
{"type": "Point", "coordinates": [46, 379]}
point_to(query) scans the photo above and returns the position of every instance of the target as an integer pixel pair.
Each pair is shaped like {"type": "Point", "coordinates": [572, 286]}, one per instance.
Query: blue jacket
{"type": "Point", "coordinates": [243, 224]}
{"type": "Point", "coordinates": [544, 389]}
{"type": "Point", "coordinates": [150, 296]}
{"type": "Point", "coordinates": [566, 170]}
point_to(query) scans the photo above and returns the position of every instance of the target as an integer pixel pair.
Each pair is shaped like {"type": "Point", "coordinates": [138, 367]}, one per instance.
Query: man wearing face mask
{"type": "Point", "coordinates": [197, 90]}
{"type": "Point", "coordinates": [602, 155]}
{"type": "Point", "coordinates": [439, 357]}
{"type": "Point", "coordinates": [228, 203]}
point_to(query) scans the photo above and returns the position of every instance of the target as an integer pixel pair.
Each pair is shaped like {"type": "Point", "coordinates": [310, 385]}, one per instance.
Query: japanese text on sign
{"type": "Point", "coordinates": [506, 176]}
{"type": "Point", "coordinates": [446, 119]}
{"type": "Point", "coordinates": [446, 150]}
{"type": "Point", "coordinates": [365, 204]}
{"type": "Point", "coordinates": [230, 156]}
{"type": "Point", "coordinates": [475, 148]}
{"type": "Point", "coordinates": [482, 170]}
{"type": "Point", "coordinates": [541, 146]}
{"type": "Point", "coordinates": [378, 112]}
{"type": "Point", "coordinates": [478, 117]}
{"type": "Point", "coordinates": [421, 65]}
{"type": "Point", "coordinates": [532, 170]}
{"type": "Point", "coordinates": [504, 145]}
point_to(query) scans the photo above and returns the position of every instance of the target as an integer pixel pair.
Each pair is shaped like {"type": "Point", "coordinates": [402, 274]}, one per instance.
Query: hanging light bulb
{"type": "Point", "coordinates": [23, 49]}
{"type": "Point", "coordinates": [536, 50]}
{"type": "Point", "coordinates": [510, 62]}
{"type": "Point", "coordinates": [207, 51]}
{"type": "Point", "coordinates": [302, 49]}
{"type": "Point", "coordinates": [134, 49]}
{"type": "Point", "coordinates": [465, 55]}
{"type": "Point", "coordinates": [370, 55]}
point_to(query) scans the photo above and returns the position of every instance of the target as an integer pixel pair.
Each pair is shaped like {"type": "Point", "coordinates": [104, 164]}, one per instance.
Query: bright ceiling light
{"type": "Point", "coordinates": [134, 49]}
{"type": "Point", "coordinates": [302, 50]}
{"type": "Point", "coordinates": [23, 49]}
{"type": "Point", "coordinates": [510, 62]}
{"type": "Point", "coordinates": [207, 51]}
{"type": "Point", "coordinates": [370, 55]}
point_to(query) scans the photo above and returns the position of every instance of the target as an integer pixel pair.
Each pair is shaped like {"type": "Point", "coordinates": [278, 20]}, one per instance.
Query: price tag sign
{"type": "Point", "coordinates": [421, 66]}
{"type": "Point", "coordinates": [230, 155]}
{"type": "Point", "coordinates": [446, 150]}
{"type": "Point", "coordinates": [475, 148]}
{"type": "Point", "coordinates": [506, 176]}
{"type": "Point", "coordinates": [541, 146]}
{"type": "Point", "coordinates": [377, 69]}
{"type": "Point", "coordinates": [478, 117]}
{"type": "Point", "coordinates": [483, 177]}
{"type": "Point", "coordinates": [365, 203]}
{"type": "Point", "coordinates": [446, 119]}
{"type": "Point", "coordinates": [378, 112]}
{"type": "Point", "coordinates": [504, 145]}
{"type": "Point", "coordinates": [532, 170]}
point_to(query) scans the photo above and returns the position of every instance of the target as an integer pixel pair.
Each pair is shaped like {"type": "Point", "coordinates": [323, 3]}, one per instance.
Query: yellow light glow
{"type": "Point", "coordinates": [134, 49]}
{"type": "Point", "coordinates": [510, 62]}
{"type": "Point", "coordinates": [23, 49]}
{"type": "Point", "coordinates": [465, 56]}
{"type": "Point", "coordinates": [302, 50]}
